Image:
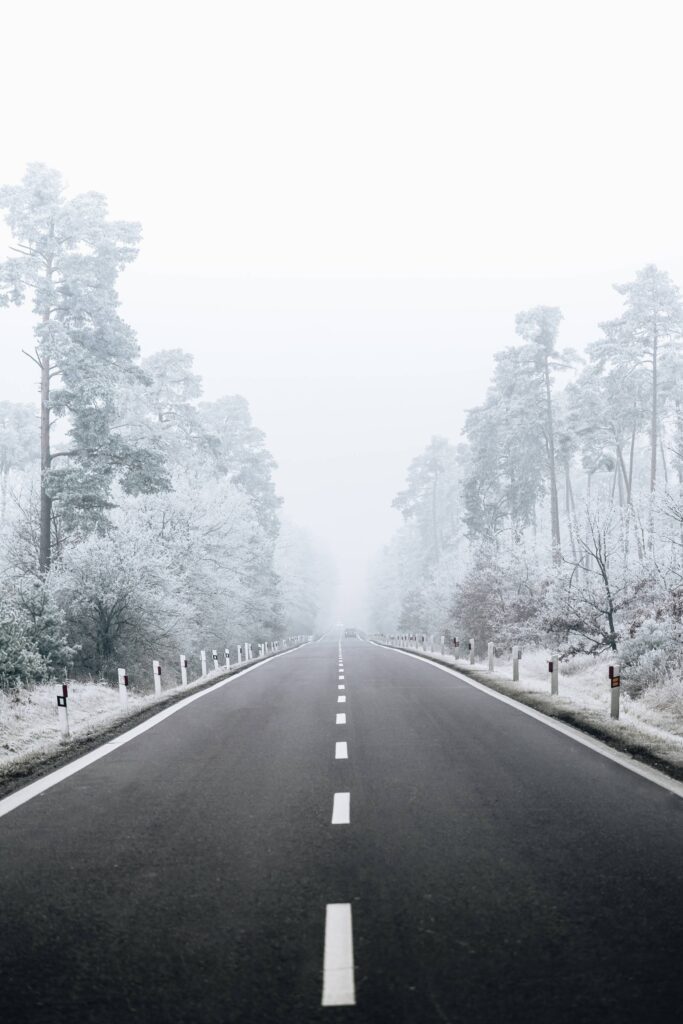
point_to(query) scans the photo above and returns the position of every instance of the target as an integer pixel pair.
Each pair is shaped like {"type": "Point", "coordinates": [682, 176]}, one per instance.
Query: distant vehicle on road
{"type": "Point", "coordinates": [350, 632]}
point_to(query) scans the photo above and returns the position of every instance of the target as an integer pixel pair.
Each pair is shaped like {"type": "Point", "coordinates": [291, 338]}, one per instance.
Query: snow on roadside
{"type": "Point", "coordinates": [653, 717]}
{"type": "Point", "coordinates": [28, 714]}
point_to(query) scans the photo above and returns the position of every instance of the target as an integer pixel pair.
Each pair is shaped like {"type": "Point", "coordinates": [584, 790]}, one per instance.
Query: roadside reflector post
{"type": "Point", "coordinates": [491, 651]}
{"type": "Point", "coordinates": [227, 657]}
{"type": "Point", "coordinates": [443, 646]}
{"type": "Point", "coordinates": [554, 670]}
{"type": "Point", "coordinates": [123, 688]}
{"type": "Point", "coordinates": [615, 689]}
{"type": "Point", "coordinates": [214, 656]}
{"type": "Point", "coordinates": [456, 644]}
{"type": "Point", "coordinates": [239, 654]}
{"type": "Point", "coordinates": [516, 655]}
{"type": "Point", "coordinates": [183, 669]}
{"type": "Point", "coordinates": [203, 657]}
{"type": "Point", "coordinates": [63, 713]}
{"type": "Point", "coordinates": [471, 650]}
{"type": "Point", "coordinates": [156, 670]}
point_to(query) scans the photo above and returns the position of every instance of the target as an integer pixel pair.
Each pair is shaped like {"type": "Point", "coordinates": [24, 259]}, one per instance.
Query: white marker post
{"type": "Point", "coordinates": [227, 657]}
{"type": "Point", "coordinates": [491, 653]}
{"type": "Point", "coordinates": [554, 669]}
{"type": "Point", "coordinates": [239, 654]}
{"type": "Point", "coordinates": [516, 655]}
{"type": "Point", "coordinates": [156, 670]}
{"type": "Point", "coordinates": [203, 657]}
{"type": "Point", "coordinates": [443, 646]}
{"type": "Point", "coordinates": [615, 686]}
{"type": "Point", "coordinates": [456, 645]}
{"type": "Point", "coordinates": [471, 650]}
{"type": "Point", "coordinates": [62, 712]}
{"type": "Point", "coordinates": [123, 688]}
{"type": "Point", "coordinates": [183, 669]}
{"type": "Point", "coordinates": [214, 655]}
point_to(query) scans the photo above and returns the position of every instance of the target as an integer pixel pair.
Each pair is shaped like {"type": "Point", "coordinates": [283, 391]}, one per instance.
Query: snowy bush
{"type": "Point", "coordinates": [653, 653]}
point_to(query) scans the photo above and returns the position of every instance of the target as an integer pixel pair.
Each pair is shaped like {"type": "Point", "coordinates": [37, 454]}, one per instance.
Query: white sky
{"type": "Point", "coordinates": [345, 203]}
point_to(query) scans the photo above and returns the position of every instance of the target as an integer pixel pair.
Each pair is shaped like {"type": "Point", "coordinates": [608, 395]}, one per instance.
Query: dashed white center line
{"type": "Point", "coordinates": [341, 687]}
{"type": "Point", "coordinates": [338, 982]}
{"type": "Point", "coordinates": [341, 700]}
{"type": "Point", "coordinates": [341, 809]}
{"type": "Point", "coordinates": [341, 718]}
{"type": "Point", "coordinates": [341, 750]}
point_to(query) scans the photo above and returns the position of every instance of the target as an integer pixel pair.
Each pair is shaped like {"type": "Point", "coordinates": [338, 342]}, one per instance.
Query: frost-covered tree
{"type": "Point", "coordinates": [639, 342]}
{"type": "Point", "coordinates": [241, 455]}
{"type": "Point", "coordinates": [121, 596]}
{"type": "Point", "coordinates": [539, 328]}
{"type": "Point", "coordinates": [161, 412]}
{"type": "Point", "coordinates": [431, 495]}
{"type": "Point", "coordinates": [506, 474]}
{"type": "Point", "coordinates": [67, 256]}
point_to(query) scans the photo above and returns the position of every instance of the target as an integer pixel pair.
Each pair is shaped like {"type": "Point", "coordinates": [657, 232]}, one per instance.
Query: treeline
{"type": "Point", "coordinates": [558, 520]}
{"type": "Point", "coordinates": [137, 519]}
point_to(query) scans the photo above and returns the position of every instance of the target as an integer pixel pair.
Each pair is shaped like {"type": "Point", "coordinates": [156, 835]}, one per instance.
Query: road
{"type": "Point", "coordinates": [485, 867]}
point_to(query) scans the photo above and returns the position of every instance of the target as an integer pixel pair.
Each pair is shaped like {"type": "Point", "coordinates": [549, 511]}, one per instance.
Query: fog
{"type": "Point", "coordinates": [344, 207]}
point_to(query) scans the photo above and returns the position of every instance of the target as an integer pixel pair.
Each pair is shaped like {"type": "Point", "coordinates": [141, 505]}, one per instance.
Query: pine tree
{"type": "Point", "coordinates": [67, 256]}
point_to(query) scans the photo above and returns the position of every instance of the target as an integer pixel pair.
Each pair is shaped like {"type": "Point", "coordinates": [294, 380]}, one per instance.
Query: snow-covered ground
{"type": "Point", "coordinates": [29, 725]}
{"type": "Point", "coordinates": [653, 718]}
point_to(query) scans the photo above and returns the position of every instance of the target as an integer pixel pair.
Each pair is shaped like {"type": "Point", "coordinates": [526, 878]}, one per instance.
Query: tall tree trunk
{"type": "Point", "coordinates": [554, 506]}
{"type": "Point", "coordinates": [570, 507]}
{"type": "Point", "coordinates": [624, 474]}
{"type": "Point", "coordinates": [664, 465]}
{"type": "Point", "coordinates": [45, 458]}
{"type": "Point", "coordinates": [631, 460]}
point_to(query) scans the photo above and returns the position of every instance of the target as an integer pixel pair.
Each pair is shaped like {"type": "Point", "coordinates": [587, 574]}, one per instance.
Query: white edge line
{"type": "Point", "coordinates": [33, 789]}
{"type": "Point", "coordinates": [341, 809]}
{"type": "Point", "coordinates": [651, 774]}
{"type": "Point", "coordinates": [338, 981]}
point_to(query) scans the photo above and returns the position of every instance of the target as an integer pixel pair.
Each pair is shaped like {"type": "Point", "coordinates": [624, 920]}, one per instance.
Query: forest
{"type": "Point", "coordinates": [136, 519]}
{"type": "Point", "coordinates": [556, 522]}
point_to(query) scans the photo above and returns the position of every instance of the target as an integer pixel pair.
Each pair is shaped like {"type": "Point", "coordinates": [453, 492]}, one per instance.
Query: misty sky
{"type": "Point", "coordinates": [344, 204]}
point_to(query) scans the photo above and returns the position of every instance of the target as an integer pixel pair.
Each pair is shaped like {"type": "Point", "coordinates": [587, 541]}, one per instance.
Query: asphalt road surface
{"type": "Point", "coordinates": [481, 866]}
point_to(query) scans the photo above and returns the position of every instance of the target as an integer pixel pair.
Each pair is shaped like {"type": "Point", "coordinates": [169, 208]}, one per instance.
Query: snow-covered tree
{"type": "Point", "coordinates": [640, 342]}
{"type": "Point", "coordinates": [67, 256]}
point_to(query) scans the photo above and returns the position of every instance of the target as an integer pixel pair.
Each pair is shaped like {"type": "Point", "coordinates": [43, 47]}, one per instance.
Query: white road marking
{"type": "Point", "coordinates": [341, 700]}
{"type": "Point", "coordinates": [342, 677]}
{"type": "Point", "coordinates": [630, 763]}
{"type": "Point", "coordinates": [22, 796]}
{"type": "Point", "coordinates": [341, 718]}
{"type": "Point", "coordinates": [339, 988]}
{"type": "Point", "coordinates": [341, 809]}
{"type": "Point", "coordinates": [341, 687]}
{"type": "Point", "coordinates": [341, 750]}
